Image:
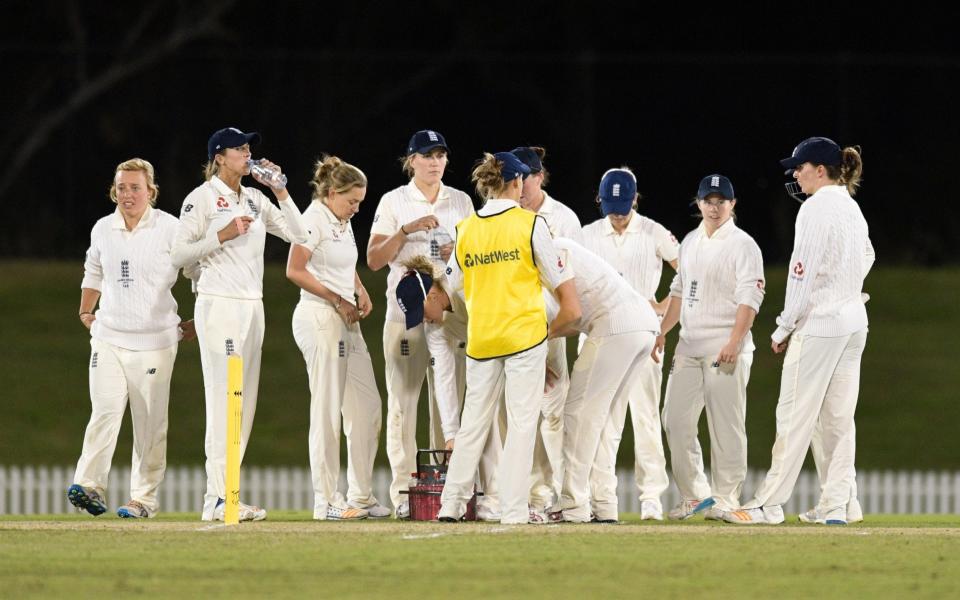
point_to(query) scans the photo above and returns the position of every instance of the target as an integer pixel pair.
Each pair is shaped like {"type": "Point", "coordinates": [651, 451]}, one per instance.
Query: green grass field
{"type": "Point", "coordinates": [290, 556]}
{"type": "Point", "coordinates": [905, 419]}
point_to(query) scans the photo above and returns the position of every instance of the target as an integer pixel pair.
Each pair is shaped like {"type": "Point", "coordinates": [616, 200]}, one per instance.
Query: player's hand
{"type": "Point", "coordinates": [445, 251]}
{"type": "Point", "coordinates": [449, 445]}
{"type": "Point", "coordinates": [778, 348]}
{"type": "Point", "coordinates": [188, 331]}
{"type": "Point", "coordinates": [658, 347]}
{"type": "Point", "coordinates": [234, 229]}
{"type": "Point", "coordinates": [728, 354]}
{"type": "Point", "coordinates": [364, 304]}
{"type": "Point", "coordinates": [550, 380]}
{"type": "Point", "coordinates": [348, 312]}
{"type": "Point", "coordinates": [422, 224]}
{"type": "Point", "coordinates": [87, 319]}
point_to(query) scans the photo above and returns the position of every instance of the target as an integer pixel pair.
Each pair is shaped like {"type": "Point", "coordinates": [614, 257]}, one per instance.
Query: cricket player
{"type": "Point", "coordinates": [548, 452]}
{"type": "Point", "coordinates": [502, 254]}
{"type": "Point", "coordinates": [636, 247]}
{"type": "Point", "coordinates": [133, 341]}
{"type": "Point", "coordinates": [717, 293]}
{"type": "Point", "coordinates": [327, 331]}
{"type": "Point", "coordinates": [412, 220]}
{"type": "Point", "coordinates": [823, 329]}
{"type": "Point", "coordinates": [223, 226]}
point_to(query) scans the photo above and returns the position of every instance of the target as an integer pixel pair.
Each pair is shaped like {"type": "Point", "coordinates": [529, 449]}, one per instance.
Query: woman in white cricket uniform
{"type": "Point", "coordinates": [133, 340]}
{"type": "Point", "coordinates": [636, 247]}
{"type": "Point", "coordinates": [327, 330]}
{"type": "Point", "coordinates": [412, 220]}
{"type": "Point", "coordinates": [223, 226]}
{"type": "Point", "coordinates": [424, 297]}
{"type": "Point", "coordinates": [548, 452]}
{"type": "Point", "coordinates": [501, 255]}
{"type": "Point", "coordinates": [621, 329]}
{"type": "Point", "coordinates": [716, 295]}
{"type": "Point", "coordinates": [823, 328]}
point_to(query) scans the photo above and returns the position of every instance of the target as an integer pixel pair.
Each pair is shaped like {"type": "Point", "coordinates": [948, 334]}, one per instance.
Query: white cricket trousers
{"type": "Point", "coordinates": [547, 476]}
{"type": "Point", "coordinates": [341, 383]}
{"type": "Point", "coordinates": [820, 381]}
{"type": "Point", "coordinates": [407, 362]}
{"type": "Point", "coordinates": [694, 383]}
{"type": "Point", "coordinates": [143, 377]}
{"type": "Point", "coordinates": [226, 325]}
{"type": "Point", "coordinates": [642, 395]}
{"type": "Point", "coordinates": [600, 373]}
{"type": "Point", "coordinates": [522, 377]}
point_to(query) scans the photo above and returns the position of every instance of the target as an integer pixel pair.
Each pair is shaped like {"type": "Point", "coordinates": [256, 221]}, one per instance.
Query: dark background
{"type": "Point", "coordinates": [675, 97]}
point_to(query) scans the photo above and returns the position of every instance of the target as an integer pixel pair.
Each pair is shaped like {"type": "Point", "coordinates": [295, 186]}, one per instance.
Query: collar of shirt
{"type": "Point", "coordinates": [722, 232]}
{"type": "Point", "coordinates": [548, 204]}
{"type": "Point", "coordinates": [119, 223]}
{"type": "Point", "coordinates": [632, 227]}
{"type": "Point", "coordinates": [418, 196]}
{"type": "Point", "coordinates": [496, 206]}
{"type": "Point", "coordinates": [223, 188]}
{"type": "Point", "coordinates": [332, 218]}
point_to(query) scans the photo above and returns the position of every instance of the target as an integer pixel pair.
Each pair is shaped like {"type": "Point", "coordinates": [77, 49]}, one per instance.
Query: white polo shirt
{"type": "Point", "coordinates": [637, 254]}
{"type": "Point", "coordinates": [717, 274]}
{"type": "Point", "coordinates": [134, 275]}
{"type": "Point", "coordinates": [832, 255]}
{"type": "Point", "coordinates": [608, 304]}
{"type": "Point", "coordinates": [235, 268]}
{"type": "Point", "coordinates": [407, 203]}
{"type": "Point", "coordinates": [333, 253]}
{"type": "Point", "coordinates": [561, 220]}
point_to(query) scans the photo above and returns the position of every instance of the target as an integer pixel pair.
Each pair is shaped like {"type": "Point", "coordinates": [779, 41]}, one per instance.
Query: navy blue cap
{"type": "Point", "coordinates": [424, 141]}
{"type": "Point", "coordinates": [529, 158]}
{"type": "Point", "coordinates": [715, 184]}
{"type": "Point", "coordinates": [815, 150]}
{"type": "Point", "coordinates": [229, 137]}
{"type": "Point", "coordinates": [411, 292]}
{"type": "Point", "coordinates": [618, 188]}
{"type": "Point", "coordinates": [511, 166]}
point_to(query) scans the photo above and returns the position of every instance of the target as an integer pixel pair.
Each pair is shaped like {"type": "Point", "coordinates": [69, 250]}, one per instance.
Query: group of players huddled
{"type": "Point", "coordinates": [480, 303]}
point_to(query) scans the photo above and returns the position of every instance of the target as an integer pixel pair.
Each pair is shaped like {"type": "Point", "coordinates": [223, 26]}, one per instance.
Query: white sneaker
{"type": "Point", "coordinates": [403, 511]}
{"type": "Point", "coordinates": [688, 508]}
{"type": "Point", "coordinates": [246, 512]}
{"type": "Point", "coordinates": [374, 511]}
{"type": "Point", "coordinates": [651, 510]}
{"type": "Point", "coordinates": [337, 513]}
{"type": "Point", "coordinates": [767, 515]}
{"type": "Point", "coordinates": [815, 516]}
{"type": "Point", "coordinates": [854, 511]}
{"type": "Point", "coordinates": [714, 513]}
{"type": "Point", "coordinates": [484, 513]}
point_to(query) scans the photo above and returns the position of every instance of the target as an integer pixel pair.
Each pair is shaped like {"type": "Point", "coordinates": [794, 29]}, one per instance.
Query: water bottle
{"type": "Point", "coordinates": [270, 176]}
{"type": "Point", "coordinates": [438, 237]}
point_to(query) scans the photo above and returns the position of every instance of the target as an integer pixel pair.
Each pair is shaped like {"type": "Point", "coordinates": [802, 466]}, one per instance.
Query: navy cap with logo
{"type": "Point", "coordinates": [511, 167]}
{"type": "Point", "coordinates": [618, 188]}
{"type": "Point", "coordinates": [529, 158]}
{"type": "Point", "coordinates": [426, 140]}
{"type": "Point", "coordinates": [411, 292]}
{"type": "Point", "coordinates": [715, 184]}
{"type": "Point", "coordinates": [815, 150]}
{"type": "Point", "coordinates": [229, 137]}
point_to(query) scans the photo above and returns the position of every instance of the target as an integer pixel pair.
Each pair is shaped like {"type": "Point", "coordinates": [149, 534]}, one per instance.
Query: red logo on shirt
{"type": "Point", "coordinates": [760, 284]}
{"type": "Point", "coordinates": [798, 269]}
{"type": "Point", "coordinates": [559, 263]}
{"type": "Point", "coordinates": [222, 203]}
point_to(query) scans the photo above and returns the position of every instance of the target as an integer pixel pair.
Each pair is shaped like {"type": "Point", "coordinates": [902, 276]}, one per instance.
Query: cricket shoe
{"type": "Point", "coordinates": [651, 510]}
{"type": "Point", "coordinates": [837, 516]}
{"type": "Point", "coordinates": [403, 511]}
{"type": "Point", "coordinates": [449, 514]}
{"type": "Point", "coordinates": [767, 515]}
{"type": "Point", "coordinates": [87, 499]}
{"type": "Point", "coordinates": [688, 508]}
{"type": "Point", "coordinates": [246, 512]}
{"type": "Point", "coordinates": [374, 511]}
{"type": "Point", "coordinates": [484, 513]}
{"type": "Point", "coordinates": [603, 519]}
{"type": "Point", "coordinates": [714, 513]}
{"type": "Point", "coordinates": [135, 510]}
{"type": "Point", "coordinates": [854, 511]}
{"type": "Point", "coordinates": [537, 517]}
{"type": "Point", "coordinates": [345, 513]}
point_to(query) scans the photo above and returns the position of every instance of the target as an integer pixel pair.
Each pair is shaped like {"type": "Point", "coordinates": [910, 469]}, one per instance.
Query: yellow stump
{"type": "Point", "coordinates": [231, 512]}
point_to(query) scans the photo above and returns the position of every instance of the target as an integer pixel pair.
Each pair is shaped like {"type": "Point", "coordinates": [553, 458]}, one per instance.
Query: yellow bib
{"type": "Point", "coordinates": [501, 284]}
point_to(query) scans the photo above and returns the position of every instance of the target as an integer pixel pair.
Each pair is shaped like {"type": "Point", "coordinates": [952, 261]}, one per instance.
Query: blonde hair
{"type": "Point", "coordinates": [137, 164]}
{"type": "Point", "coordinates": [849, 171]}
{"type": "Point", "coordinates": [330, 174]}
{"type": "Point", "coordinates": [487, 178]}
{"type": "Point", "coordinates": [423, 264]}
{"type": "Point", "coordinates": [210, 168]}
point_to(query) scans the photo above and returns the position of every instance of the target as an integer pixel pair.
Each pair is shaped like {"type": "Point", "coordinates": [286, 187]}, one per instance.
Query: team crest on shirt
{"type": "Point", "coordinates": [798, 270]}
{"type": "Point", "coordinates": [253, 208]}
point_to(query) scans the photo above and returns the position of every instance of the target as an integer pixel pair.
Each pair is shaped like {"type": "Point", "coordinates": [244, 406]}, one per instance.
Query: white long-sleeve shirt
{"type": "Point", "coordinates": [134, 275]}
{"type": "Point", "coordinates": [333, 253]}
{"type": "Point", "coordinates": [608, 304]}
{"type": "Point", "coordinates": [407, 203]}
{"type": "Point", "coordinates": [832, 255]}
{"type": "Point", "coordinates": [637, 254]}
{"type": "Point", "coordinates": [561, 220]}
{"type": "Point", "coordinates": [717, 274]}
{"type": "Point", "coordinates": [233, 269]}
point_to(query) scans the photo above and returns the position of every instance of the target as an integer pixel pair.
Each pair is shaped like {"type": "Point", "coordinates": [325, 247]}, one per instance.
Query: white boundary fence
{"type": "Point", "coordinates": [42, 490]}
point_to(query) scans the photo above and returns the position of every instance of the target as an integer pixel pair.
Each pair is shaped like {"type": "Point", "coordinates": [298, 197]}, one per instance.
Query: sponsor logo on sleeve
{"type": "Point", "coordinates": [187, 208]}
{"type": "Point", "coordinates": [798, 270]}
{"type": "Point", "coordinates": [761, 285]}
